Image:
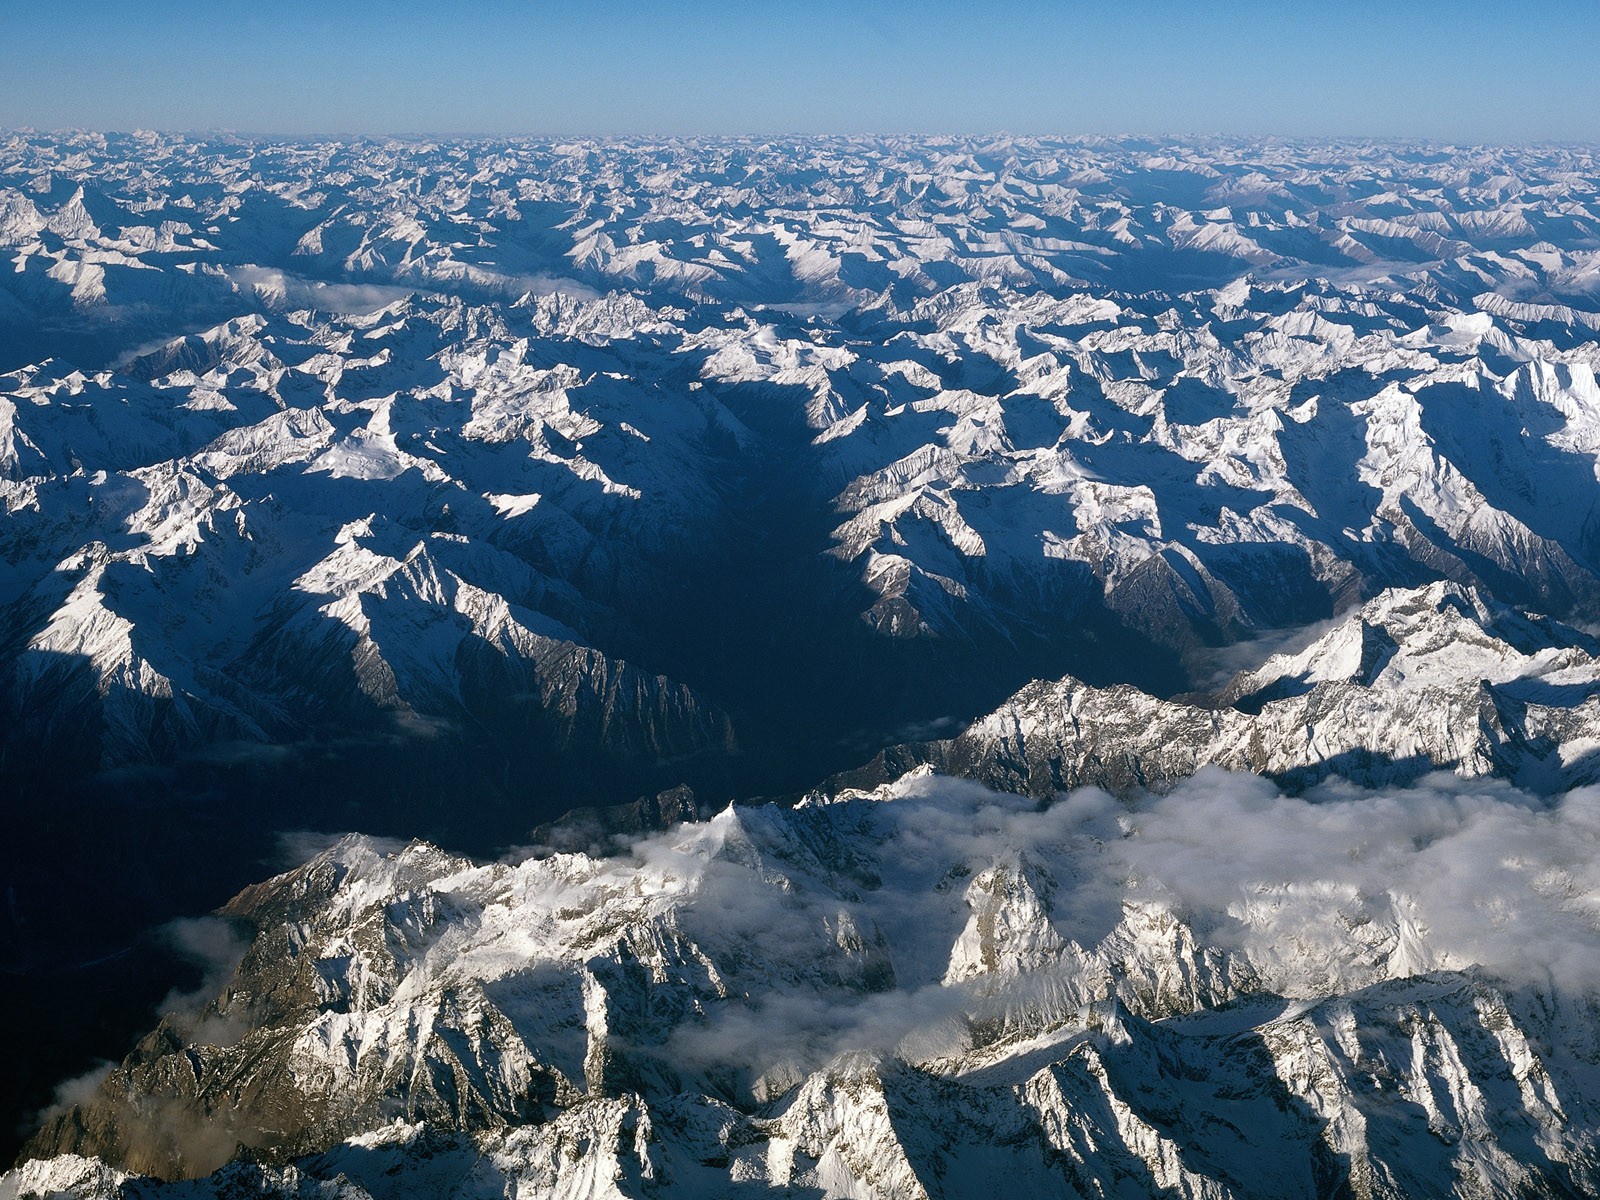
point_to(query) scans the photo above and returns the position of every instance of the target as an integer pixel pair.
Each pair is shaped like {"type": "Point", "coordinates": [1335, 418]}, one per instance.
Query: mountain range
{"type": "Point", "coordinates": [638, 531]}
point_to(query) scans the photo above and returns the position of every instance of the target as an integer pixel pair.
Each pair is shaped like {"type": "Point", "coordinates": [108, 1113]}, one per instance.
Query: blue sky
{"type": "Point", "coordinates": [1466, 71]}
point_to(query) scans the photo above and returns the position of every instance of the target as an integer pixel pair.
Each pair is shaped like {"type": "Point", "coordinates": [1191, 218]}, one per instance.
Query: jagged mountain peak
{"type": "Point", "coordinates": [437, 486]}
{"type": "Point", "coordinates": [1415, 680]}
{"type": "Point", "coordinates": [1436, 635]}
{"type": "Point", "coordinates": [1052, 984]}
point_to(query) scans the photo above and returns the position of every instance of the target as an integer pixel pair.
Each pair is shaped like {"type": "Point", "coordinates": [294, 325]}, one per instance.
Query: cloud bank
{"type": "Point", "coordinates": [967, 909]}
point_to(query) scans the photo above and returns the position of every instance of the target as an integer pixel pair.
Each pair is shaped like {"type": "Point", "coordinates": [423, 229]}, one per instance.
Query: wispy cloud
{"type": "Point", "coordinates": [1308, 896]}
{"type": "Point", "coordinates": [279, 289]}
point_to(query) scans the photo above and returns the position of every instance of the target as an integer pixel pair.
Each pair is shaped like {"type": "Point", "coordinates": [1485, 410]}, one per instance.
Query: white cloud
{"type": "Point", "coordinates": [1306, 896]}
{"type": "Point", "coordinates": [282, 290]}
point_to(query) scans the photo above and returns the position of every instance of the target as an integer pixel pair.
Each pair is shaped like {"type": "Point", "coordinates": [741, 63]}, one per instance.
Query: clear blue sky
{"type": "Point", "coordinates": [1513, 70]}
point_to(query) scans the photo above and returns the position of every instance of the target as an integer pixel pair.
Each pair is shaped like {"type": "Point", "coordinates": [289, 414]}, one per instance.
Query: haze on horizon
{"type": "Point", "coordinates": [1468, 71]}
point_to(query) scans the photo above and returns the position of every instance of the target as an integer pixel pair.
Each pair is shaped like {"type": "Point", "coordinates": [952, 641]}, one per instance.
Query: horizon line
{"type": "Point", "coordinates": [1171, 138]}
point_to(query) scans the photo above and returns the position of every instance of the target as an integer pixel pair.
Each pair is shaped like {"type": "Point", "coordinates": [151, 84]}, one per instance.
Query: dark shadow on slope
{"type": "Point", "coordinates": [1227, 1112]}
{"type": "Point", "coordinates": [1540, 581]}
{"type": "Point", "coordinates": [1536, 690]}
{"type": "Point", "coordinates": [1216, 1102]}
{"type": "Point", "coordinates": [1276, 584]}
{"type": "Point", "coordinates": [1191, 401]}
{"type": "Point", "coordinates": [1503, 448]}
{"type": "Point", "coordinates": [93, 862]}
{"type": "Point", "coordinates": [1369, 768]}
{"type": "Point", "coordinates": [770, 627]}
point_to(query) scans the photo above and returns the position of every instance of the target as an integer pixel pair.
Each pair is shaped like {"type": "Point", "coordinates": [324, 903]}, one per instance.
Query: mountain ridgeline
{"type": "Point", "coordinates": [521, 500]}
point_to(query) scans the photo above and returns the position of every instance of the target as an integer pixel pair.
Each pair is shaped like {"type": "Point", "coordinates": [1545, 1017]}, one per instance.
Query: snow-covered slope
{"type": "Point", "coordinates": [595, 467]}
{"type": "Point", "coordinates": [513, 395]}
{"type": "Point", "coordinates": [244, 549]}
{"type": "Point", "coordinates": [905, 993]}
{"type": "Point", "coordinates": [1416, 680]}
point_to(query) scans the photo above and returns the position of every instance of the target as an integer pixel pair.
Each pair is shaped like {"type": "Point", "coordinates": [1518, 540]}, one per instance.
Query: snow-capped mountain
{"type": "Point", "coordinates": [439, 488]}
{"type": "Point", "coordinates": [445, 428]}
{"type": "Point", "coordinates": [1415, 681]}
{"type": "Point", "coordinates": [902, 994]}
{"type": "Point", "coordinates": [258, 554]}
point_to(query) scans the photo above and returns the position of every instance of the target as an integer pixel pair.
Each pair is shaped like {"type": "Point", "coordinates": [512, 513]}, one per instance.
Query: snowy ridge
{"type": "Point", "coordinates": [241, 552]}
{"type": "Point", "coordinates": [1174, 393]}
{"type": "Point", "coordinates": [1416, 680]}
{"type": "Point", "coordinates": [899, 994]}
{"type": "Point", "coordinates": [738, 455]}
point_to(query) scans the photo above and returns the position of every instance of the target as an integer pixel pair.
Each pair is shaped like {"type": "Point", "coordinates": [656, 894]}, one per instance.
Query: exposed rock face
{"type": "Point", "coordinates": [260, 568]}
{"type": "Point", "coordinates": [1006, 394]}
{"type": "Point", "coordinates": [1418, 680]}
{"type": "Point", "coordinates": [563, 456]}
{"type": "Point", "coordinates": [900, 994]}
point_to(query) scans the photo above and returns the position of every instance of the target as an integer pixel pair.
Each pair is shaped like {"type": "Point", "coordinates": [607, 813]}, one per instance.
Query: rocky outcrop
{"type": "Point", "coordinates": [1417, 680]}
{"type": "Point", "coordinates": [897, 994]}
